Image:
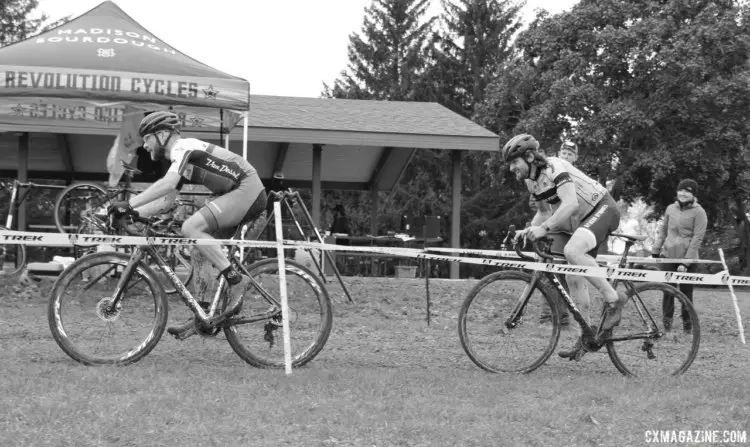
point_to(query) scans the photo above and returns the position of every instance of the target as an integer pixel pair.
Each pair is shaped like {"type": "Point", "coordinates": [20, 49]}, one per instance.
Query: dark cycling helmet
{"type": "Point", "coordinates": [518, 145]}
{"type": "Point", "coordinates": [157, 121]}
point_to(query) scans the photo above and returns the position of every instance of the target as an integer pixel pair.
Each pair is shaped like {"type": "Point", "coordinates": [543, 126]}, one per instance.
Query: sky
{"type": "Point", "coordinates": [283, 47]}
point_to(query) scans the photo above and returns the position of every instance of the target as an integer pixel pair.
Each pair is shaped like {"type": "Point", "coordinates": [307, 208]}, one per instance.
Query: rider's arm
{"type": "Point", "coordinates": [566, 192]}
{"type": "Point", "coordinates": [544, 211]}
{"type": "Point", "coordinates": [159, 189]}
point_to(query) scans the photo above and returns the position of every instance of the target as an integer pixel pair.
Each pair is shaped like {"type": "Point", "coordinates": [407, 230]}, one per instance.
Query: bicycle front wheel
{"type": "Point", "coordinates": [76, 201]}
{"type": "Point", "coordinates": [643, 347]}
{"type": "Point", "coordinates": [260, 343]}
{"type": "Point", "coordinates": [12, 258]}
{"type": "Point", "coordinates": [492, 339]}
{"type": "Point", "coordinates": [89, 328]}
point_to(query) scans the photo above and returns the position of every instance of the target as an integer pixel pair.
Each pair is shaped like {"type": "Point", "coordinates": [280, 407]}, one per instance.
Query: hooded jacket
{"type": "Point", "coordinates": [682, 231]}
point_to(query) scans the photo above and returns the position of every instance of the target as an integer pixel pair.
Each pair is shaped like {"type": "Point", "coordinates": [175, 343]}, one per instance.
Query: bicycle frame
{"type": "Point", "coordinates": [587, 330]}
{"type": "Point", "coordinates": [140, 252]}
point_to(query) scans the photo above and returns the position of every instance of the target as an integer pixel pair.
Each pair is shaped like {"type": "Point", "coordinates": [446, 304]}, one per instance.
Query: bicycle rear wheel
{"type": "Point", "coordinates": [88, 329]}
{"type": "Point", "coordinates": [12, 258]}
{"type": "Point", "coordinates": [496, 344]}
{"type": "Point", "coordinates": [656, 352]}
{"type": "Point", "coordinates": [260, 343]}
{"type": "Point", "coordinates": [76, 200]}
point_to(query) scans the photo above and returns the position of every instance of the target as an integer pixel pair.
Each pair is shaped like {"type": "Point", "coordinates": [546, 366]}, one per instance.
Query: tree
{"type": "Point", "coordinates": [16, 24]}
{"type": "Point", "coordinates": [475, 42]}
{"type": "Point", "coordinates": [386, 62]}
{"type": "Point", "coordinates": [661, 86]}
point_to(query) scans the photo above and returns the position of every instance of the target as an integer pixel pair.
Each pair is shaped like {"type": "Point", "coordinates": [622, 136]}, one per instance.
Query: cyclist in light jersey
{"type": "Point", "coordinates": [558, 172]}
{"type": "Point", "coordinates": [241, 194]}
{"type": "Point", "coordinates": [579, 205]}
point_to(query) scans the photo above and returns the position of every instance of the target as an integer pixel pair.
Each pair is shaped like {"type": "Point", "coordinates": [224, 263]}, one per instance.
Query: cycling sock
{"type": "Point", "coordinates": [232, 275]}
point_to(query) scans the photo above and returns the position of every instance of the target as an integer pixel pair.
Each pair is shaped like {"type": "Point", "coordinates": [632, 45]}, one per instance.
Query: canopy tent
{"type": "Point", "coordinates": [85, 71]}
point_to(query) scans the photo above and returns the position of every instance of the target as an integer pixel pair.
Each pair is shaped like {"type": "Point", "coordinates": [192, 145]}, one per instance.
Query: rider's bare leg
{"type": "Point", "coordinates": [576, 252]}
{"type": "Point", "coordinates": [196, 227]}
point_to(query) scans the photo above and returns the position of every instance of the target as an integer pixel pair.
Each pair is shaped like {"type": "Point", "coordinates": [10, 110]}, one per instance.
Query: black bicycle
{"type": "Point", "coordinates": [109, 309]}
{"type": "Point", "coordinates": [500, 328]}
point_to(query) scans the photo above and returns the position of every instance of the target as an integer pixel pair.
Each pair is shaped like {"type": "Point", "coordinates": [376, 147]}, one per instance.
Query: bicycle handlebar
{"type": "Point", "coordinates": [541, 246]}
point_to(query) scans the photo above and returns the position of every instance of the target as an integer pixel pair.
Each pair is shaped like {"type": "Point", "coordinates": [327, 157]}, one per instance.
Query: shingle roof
{"type": "Point", "coordinates": [417, 118]}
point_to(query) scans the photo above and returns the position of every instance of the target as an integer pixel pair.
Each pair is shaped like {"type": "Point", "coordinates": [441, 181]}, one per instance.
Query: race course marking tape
{"type": "Point", "coordinates": [605, 258]}
{"type": "Point", "coordinates": [59, 239]}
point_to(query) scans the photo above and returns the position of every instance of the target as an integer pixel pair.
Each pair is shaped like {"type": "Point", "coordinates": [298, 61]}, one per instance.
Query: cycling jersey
{"type": "Point", "coordinates": [558, 172]}
{"type": "Point", "coordinates": [214, 167]}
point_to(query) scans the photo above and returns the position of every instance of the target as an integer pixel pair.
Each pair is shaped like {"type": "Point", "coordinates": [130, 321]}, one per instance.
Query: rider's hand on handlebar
{"type": "Point", "coordinates": [520, 234]}
{"type": "Point", "coordinates": [536, 232]}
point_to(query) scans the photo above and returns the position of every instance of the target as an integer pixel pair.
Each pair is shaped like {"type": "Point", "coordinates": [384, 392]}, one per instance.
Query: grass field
{"type": "Point", "coordinates": [385, 378]}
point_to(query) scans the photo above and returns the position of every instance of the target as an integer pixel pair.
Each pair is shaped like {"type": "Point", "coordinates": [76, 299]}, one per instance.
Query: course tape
{"type": "Point", "coordinates": [609, 272]}
{"type": "Point", "coordinates": [603, 258]}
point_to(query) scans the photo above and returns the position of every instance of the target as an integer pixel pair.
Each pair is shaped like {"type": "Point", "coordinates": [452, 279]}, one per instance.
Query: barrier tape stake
{"type": "Point", "coordinates": [282, 289]}
{"type": "Point", "coordinates": [734, 298]}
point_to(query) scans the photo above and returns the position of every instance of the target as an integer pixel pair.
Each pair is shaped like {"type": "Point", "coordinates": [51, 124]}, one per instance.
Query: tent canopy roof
{"type": "Point", "coordinates": [105, 54]}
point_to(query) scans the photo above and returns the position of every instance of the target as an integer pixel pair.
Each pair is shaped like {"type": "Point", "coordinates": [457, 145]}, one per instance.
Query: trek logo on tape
{"type": "Point", "coordinates": [23, 238]}
{"type": "Point", "coordinates": [630, 274]}
{"type": "Point", "coordinates": [510, 265]}
{"type": "Point", "coordinates": [174, 241]}
{"type": "Point", "coordinates": [567, 269]}
{"type": "Point", "coordinates": [688, 278]}
{"type": "Point", "coordinates": [96, 239]}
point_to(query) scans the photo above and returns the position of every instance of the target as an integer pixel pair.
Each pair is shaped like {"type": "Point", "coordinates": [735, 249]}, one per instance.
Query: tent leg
{"type": "Point", "coordinates": [244, 135]}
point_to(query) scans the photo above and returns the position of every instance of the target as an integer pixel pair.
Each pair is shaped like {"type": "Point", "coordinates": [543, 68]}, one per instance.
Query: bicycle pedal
{"type": "Point", "coordinates": [183, 335]}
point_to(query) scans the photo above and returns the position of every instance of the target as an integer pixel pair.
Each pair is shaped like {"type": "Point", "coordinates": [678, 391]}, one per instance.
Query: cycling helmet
{"type": "Point", "coordinates": [518, 145]}
{"type": "Point", "coordinates": [157, 121]}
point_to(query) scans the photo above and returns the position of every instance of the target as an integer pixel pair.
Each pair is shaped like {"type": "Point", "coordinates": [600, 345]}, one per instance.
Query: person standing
{"type": "Point", "coordinates": [569, 152]}
{"type": "Point", "coordinates": [680, 237]}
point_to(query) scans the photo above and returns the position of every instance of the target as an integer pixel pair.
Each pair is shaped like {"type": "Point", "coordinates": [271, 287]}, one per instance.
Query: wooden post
{"type": "Point", "coordinates": [316, 183]}
{"type": "Point", "coordinates": [456, 209]}
{"type": "Point", "coordinates": [374, 210]}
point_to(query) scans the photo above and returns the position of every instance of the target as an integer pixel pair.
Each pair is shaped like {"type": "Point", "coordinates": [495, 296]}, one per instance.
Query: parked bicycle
{"type": "Point", "coordinates": [500, 328]}
{"type": "Point", "coordinates": [13, 256]}
{"type": "Point", "coordinates": [108, 309]}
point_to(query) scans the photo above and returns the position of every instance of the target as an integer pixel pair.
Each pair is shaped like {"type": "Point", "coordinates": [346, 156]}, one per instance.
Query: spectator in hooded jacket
{"type": "Point", "coordinates": [680, 237]}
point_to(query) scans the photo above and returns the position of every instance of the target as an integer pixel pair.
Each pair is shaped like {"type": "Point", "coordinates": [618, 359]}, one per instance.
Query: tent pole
{"type": "Point", "coordinates": [221, 127]}
{"type": "Point", "coordinates": [244, 135]}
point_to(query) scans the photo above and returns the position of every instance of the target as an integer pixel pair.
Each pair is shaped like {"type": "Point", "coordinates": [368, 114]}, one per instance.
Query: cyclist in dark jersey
{"type": "Point", "coordinates": [578, 205]}
{"type": "Point", "coordinates": [241, 195]}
